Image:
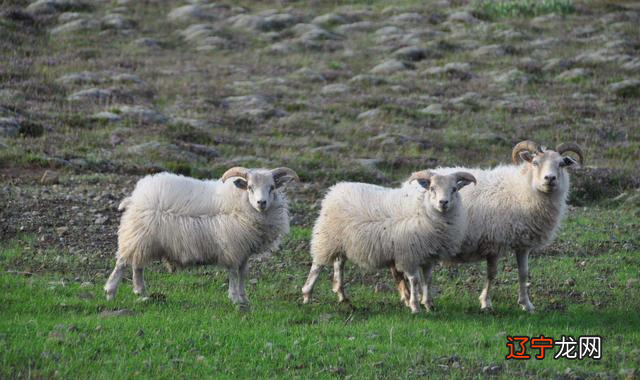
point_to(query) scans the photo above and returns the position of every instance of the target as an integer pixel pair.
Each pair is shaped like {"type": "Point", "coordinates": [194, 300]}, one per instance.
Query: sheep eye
{"type": "Point", "coordinates": [272, 188]}
{"type": "Point", "coordinates": [454, 190]}
{"type": "Point", "coordinates": [251, 188]}
{"type": "Point", "coordinates": [535, 163]}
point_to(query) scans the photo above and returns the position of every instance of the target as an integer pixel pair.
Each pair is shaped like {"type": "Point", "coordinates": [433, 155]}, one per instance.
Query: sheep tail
{"type": "Point", "coordinates": [124, 204]}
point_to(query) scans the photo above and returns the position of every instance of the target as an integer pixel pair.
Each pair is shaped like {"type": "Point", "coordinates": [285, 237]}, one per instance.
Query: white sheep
{"type": "Point", "coordinates": [377, 227]}
{"type": "Point", "coordinates": [515, 207]}
{"type": "Point", "coordinates": [185, 221]}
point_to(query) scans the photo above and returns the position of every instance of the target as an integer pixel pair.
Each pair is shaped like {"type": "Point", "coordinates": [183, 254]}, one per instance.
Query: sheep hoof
{"type": "Point", "coordinates": [306, 298]}
{"type": "Point", "coordinates": [243, 307]}
{"type": "Point", "coordinates": [429, 307]}
{"type": "Point", "coordinates": [415, 310]}
{"type": "Point", "coordinates": [528, 307]}
{"type": "Point", "coordinates": [487, 309]}
{"type": "Point", "coordinates": [110, 294]}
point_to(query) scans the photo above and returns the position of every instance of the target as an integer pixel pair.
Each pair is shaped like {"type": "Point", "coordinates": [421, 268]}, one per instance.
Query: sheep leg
{"type": "Point", "coordinates": [138, 281]}
{"type": "Point", "coordinates": [414, 284]}
{"type": "Point", "coordinates": [427, 290]}
{"type": "Point", "coordinates": [243, 276]}
{"type": "Point", "coordinates": [307, 289]}
{"type": "Point", "coordinates": [401, 285]}
{"type": "Point", "coordinates": [338, 287]}
{"type": "Point", "coordinates": [492, 270]}
{"type": "Point", "coordinates": [234, 280]}
{"type": "Point", "coordinates": [111, 287]}
{"type": "Point", "coordinates": [523, 276]}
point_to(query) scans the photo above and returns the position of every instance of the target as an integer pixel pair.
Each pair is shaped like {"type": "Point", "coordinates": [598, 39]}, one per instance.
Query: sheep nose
{"type": "Point", "coordinates": [444, 203]}
{"type": "Point", "coordinates": [262, 204]}
{"type": "Point", "coordinates": [550, 178]}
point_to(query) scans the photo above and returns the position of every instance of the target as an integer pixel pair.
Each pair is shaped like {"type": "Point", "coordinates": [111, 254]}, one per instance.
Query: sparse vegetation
{"type": "Point", "coordinates": [85, 112]}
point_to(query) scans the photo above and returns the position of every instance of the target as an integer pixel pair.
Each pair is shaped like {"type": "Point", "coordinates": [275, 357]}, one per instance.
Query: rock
{"type": "Point", "coordinates": [127, 78]}
{"type": "Point", "coordinates": [361, 26]}
{"type": "Point", "coordinates": [410, 53]}
{"type": "Point", "coordinates": [49, 177]}
{"type": "Point", "coordinates": [633, 65]}
{"type": "Point", "coordinates": [117, 22]}
{"type": "Point", "coordinates": [464, 17]}
{"type": "Point", "coordinates": [68, 16]}
{"type": "Point", "coordinates": [84, 77]}
{"type": "Point", "coordinates": [101, 220]}
{"type": "Point", "coordinates": [367, 79]}
{"type": "Point", "coordinates": [201, 150]}
{"type": "Point", "coordinates": [433, 110]}
{"type": "Point", "coordinates": [370, 114]}
{"type": "Point", "coordinates": [55, 6]}
{"type": "Point", "coordinates": [281, 48]}
{"type": "Point", "coordinates": [249, 105]}
{"type": "Point", "coordinates": [329, 19]}
{"type": "Point", "coordinates": [391, 66]}
{"type": "Point", "coordinates": [489, 51]}
{"type": "Point", "coordinates": [76, 26]}
{"type": "Point", "coordinates": [407, 18]}
{"type": "Point", "coordinates": [572, 75]}
{"type": "Point", "coordinates": [277, 21]}
{"type": "Point", "coordinates": [91, 94]}
{"type": "Point", "coordinates": [193, 12]}
{"type": "Point", "coordinates": [309, 75]}
{"type": "Point", "coordinates": [336, 88]}
{"type": "Point", "coordinates": [9, 127]}
{"type": "Point", "coordinates": [62, 230]}
{"type": "Point", "coordinates": [106, 116]}
{"type": "Point", "coordinates": [512, 77]}
{"type": "Point", "coordinates": [595, 57]}
{"type": "Point", "coordinates": [625, 88]}
{"type": "Point", "coordinates": [142, 114]}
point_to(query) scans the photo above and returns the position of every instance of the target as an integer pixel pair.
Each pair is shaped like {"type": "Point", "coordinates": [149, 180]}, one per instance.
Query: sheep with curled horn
{"type": "Point", "coordinates": [516, 208]}
{"type": "Point", "coordinates": [377, 227]}
{"type": "Point", "coordinates": [185, 221]}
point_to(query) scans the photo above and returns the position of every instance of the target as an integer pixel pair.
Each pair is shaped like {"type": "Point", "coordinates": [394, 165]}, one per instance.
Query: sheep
{"type": "Point", "coordinates": [184, 221]}
{"type": "Point", "coordinates": [515, 207]}
{"type": "Point", "coordinates": [377, 227]}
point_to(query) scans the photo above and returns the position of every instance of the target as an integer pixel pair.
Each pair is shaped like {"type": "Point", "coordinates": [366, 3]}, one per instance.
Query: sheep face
{"type": "Point", "coordinates": [441, 191]}
{"type": "Point", "coordinates": [260, 184]}
{"type": "Point", "coordinates": [260, 188]}
{"type": "Point", "coordinates": [548, 170]}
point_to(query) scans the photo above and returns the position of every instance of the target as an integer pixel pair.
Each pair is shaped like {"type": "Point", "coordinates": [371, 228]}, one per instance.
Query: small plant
{"type": "Point", "coordinates": [523, 8]}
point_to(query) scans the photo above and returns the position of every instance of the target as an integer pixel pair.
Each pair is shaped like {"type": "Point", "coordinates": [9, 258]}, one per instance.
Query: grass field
{"type": "Point", "coordinates": [96, 94]}
{"type": "Point", "coordinates": [59, 325]}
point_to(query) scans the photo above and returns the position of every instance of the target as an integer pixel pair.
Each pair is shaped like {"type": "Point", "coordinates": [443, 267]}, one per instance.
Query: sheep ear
{"type": "Point", "coordinates": [240, 183]}
{"type": "Point", "coordinates": [567, 161]}
{"type": "Point", "coordinates": [424, 182]}
{"type": "Point", "coordinates": [463, 179]}
{"type": "Point", "coordinates": [526, 156]}
{"type": "Point", "coordinates": [282, 176]}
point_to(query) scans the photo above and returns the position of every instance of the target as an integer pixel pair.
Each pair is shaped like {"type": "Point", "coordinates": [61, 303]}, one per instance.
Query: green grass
{"type": "Point", "coordinates": [495, 10]}
{"type": "Point", "coordinates": [584, 285]}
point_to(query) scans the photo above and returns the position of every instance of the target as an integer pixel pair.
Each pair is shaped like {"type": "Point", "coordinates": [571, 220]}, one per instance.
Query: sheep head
{"type": "Point", "coordinates": [442, 190]}
{"type": "Point", "coordinates": [547, 166]}
{"type": "Point", "coordinates": [260, 184]}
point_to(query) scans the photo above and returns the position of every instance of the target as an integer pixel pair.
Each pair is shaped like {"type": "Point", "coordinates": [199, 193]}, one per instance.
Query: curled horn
{"type": "Point", "coordinates": [423, 174]}
{"type": "Point", "coordinates": [465, 177]}
{"type": "Point", "coordinates": [571, 147]}
{"type": "Point", "coordinates": [283, 171]}
{"type": "Point", "coordinates": [237, 171]}
{"type": "Point", "coordinates": [526, 145]}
